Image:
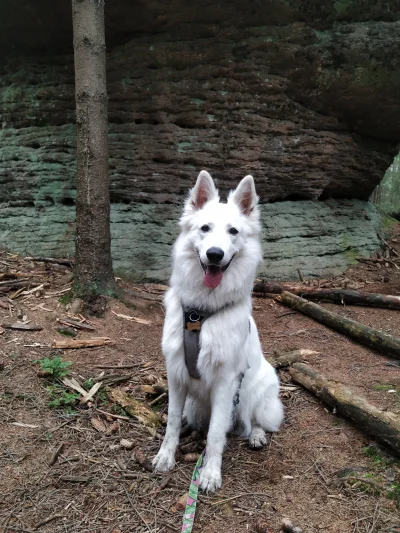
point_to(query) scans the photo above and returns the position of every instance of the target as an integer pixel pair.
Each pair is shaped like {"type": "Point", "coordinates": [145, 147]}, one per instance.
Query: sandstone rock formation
{"type": "Point", "coordinates": [303, 95]}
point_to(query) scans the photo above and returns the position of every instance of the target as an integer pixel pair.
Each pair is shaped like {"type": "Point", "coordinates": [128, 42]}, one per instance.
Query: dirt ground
{"type": "Point", "coordinates": [319, 471]}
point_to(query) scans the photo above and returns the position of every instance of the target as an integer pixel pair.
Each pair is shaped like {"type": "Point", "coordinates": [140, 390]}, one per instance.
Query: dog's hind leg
{"type": "Point", "coordinates": [165, 459]}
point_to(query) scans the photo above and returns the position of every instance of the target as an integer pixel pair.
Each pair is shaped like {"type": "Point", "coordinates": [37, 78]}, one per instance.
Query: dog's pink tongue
{"type": "Point", "coordinates": [213, 277]}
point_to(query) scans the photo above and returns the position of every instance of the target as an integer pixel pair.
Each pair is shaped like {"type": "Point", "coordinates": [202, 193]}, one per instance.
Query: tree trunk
{"type": "Point", "coordinates": [93, 270]}
{"type": "Point", "coordinates": [339, 296]}
{"type": "Point", "coordinates": [384, 343]}
{"type": "Point", "coordinates": [383, 425]}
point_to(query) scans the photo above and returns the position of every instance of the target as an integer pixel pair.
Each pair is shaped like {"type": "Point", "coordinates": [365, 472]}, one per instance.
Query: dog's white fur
{"type": "Point", "coordinates": [227, 348]}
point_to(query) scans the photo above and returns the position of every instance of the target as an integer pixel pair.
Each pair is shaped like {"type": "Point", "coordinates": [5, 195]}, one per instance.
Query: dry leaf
{"type": "Point", "coordinates": [99, 425]}
{"type": "Point", "coordinates": [141, 458]}
{"type": "Point", "coordinates": [180, 504]}
{"type": "Point", "coordinates": [113, 428]}
{"type": "Point", "coordinates": [127, 444]}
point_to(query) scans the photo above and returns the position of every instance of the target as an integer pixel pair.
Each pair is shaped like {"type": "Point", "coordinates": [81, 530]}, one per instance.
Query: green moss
{"type": "Point", "coordinates": [197, 101]}
{"type": "Point", "coordinates": [341, 6]}
{"type": "Point", "coordinates": [376, 76]}
{"type": "Point", "coordinates": [183, 146]}
{"type": "Point", "coordinates": [350, 253]}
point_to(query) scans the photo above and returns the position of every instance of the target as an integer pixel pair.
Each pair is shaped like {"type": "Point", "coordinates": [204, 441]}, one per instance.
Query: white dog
{"type": "Point", "coordinates": [217, 375]}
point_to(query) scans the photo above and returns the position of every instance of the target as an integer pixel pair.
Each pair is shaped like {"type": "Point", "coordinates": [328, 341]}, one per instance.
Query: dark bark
{"type": "Point", "coordinates": [339, 296]}
{"type": "Point", "coordinates": [384, 425]}
{"type": "Point", "coordinates": [93, 269]}
{"type": "Point", "coordinates": [382, 342]}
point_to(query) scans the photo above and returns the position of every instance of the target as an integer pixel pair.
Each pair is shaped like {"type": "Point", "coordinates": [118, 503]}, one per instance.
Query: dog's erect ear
{"type": "Point", "coordinates": [245, 196]}
{"type": "Point", "coordinates": [203, 191]}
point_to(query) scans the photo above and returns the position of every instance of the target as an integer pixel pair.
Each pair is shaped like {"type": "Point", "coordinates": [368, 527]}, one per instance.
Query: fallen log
{"type": "Point", "coordinates": [7, 287]}
{"type": "Point", "coordinates": [373, 338]}
{"type": "Point", "coordinates": [284, 359]}
{"type": "Point", "coordinates": [383, 425]}
{"type": "Point", "coordinates": [339, 296]}
{"type": "Point", "coordinates": [80, 343]}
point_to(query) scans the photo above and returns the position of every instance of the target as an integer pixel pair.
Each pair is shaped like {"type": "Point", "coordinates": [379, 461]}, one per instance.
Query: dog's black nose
{"type": "Point", "coordinates": [215, 254]}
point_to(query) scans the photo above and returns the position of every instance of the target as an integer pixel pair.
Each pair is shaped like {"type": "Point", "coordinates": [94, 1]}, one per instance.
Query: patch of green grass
{"type": "Point", "coordinates": [375, 454]}
{"type": "Point", "coordinates": [383, 387]}
{"type": "Point", "coordinates": [61, 398]}
{"type": "Point", "coordinates": [88, 384]}
{"type": "Point", "coordinates": [118, 410]}
{"type": "Point", "coordinates": [66, 298]}
{"type": "Point", "coordinates": [394, 493]}
{"type": "Point", "coordinates": [55, 366]}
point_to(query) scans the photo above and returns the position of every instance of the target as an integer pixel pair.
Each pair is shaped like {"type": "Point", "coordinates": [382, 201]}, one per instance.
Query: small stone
{"type": "Point", "coordinates": [191, 457]}
{"type": "Point", "coordinates": [390, 474]}
{"type": "Point", "coordinates": [127, 444]}
{"type": "Point", "coordinates": [67, 278]}
{"type": "Point", "coordinates": [76, 306]}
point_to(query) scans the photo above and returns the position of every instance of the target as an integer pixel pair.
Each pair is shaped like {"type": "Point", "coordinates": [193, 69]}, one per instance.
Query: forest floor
{"type": "Point", "coordinates": [320, 471]}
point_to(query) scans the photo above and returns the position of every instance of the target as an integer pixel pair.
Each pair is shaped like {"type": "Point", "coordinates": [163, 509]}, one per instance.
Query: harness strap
{"type": "Point", "coordinates": [192, 322]}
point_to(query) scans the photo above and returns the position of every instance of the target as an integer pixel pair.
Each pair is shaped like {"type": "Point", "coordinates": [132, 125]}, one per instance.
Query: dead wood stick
{"type": "Point", "coordinates": [376, 260]}
{"type": "Point", "coordinates": [156, 400]}
{"type": "Point", "coordinates": [13, 281]}
{"type": "Point", "coordinates": [15, 285]}
{"type": "Point", "coordinates": [75, 324]}
{"type": "Point", "coordinates": [47, 520]}
{"type": "Point", "coordinates": [373, 338]}
{"type": "Point", "coordinates": [340, 296]}
{"type": "Point", "coordinates": [80, 343]}
{"type": "Point", "coordinates": [383, 425]}
{"type": "Point", "coordinates": [119, 417]}
{"type": "Point", "coordinates": [15, 276]}
{"type": "Point", "coordinates": [388, 245]}
{"type": "Point", "coordinates": [56, 453]}
{"type": "Point", "coordinates": [284, 359]}
{"type": "Point", "coordinates": [75, 479]}
{"type": "Point", "coordinates": [23, 327]}
{"type": "Point", "coordinates": [139, 294]}
{"type": "Point", "coordinates": [60, 261]}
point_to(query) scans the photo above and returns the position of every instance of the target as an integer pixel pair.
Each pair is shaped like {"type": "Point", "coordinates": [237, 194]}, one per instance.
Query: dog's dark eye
{"type": "Point", "coordinates": [205, 228]}
{"type": "Point", "coordinates": [233, 231]}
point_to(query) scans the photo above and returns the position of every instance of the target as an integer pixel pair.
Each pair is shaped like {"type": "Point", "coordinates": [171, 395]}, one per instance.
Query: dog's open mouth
{"type": "Point", "coordinates": [213, 273]}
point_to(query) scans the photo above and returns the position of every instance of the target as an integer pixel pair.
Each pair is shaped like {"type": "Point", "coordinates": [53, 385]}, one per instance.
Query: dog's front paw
{"type": "Point", "coordinates": [210, 479]}
{"type": "Point", "coordinates": [258, 438]}
{"type": "Point", "coordinates": [164, 461]}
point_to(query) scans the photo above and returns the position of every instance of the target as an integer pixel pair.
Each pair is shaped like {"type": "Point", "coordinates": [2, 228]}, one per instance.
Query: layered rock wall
{"type": "Point", "coordinates": [319, 238]}
{"type": "Point", "coordinates": [303, 95]}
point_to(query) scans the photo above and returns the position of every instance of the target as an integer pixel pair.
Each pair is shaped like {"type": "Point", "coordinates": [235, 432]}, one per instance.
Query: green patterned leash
{"type": "Point", "coordinates": [191, 502]}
